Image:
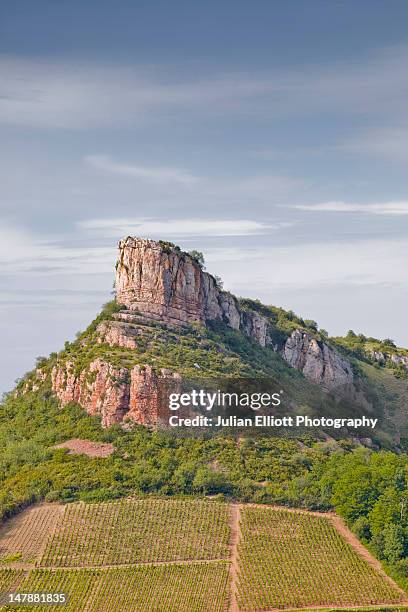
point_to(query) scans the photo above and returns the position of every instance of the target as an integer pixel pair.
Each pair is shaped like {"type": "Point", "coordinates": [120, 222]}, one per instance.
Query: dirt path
{"type": "Point", "coordinates": [349, 536]}
{"type": "Point", "coordinates": [137, 564]}
{"type": "Point", "coordinates": [288, 509]}
{"type": "Point", "coordinates": [235, 537]}
{"type": "Point", "coordinates": [343, 608]}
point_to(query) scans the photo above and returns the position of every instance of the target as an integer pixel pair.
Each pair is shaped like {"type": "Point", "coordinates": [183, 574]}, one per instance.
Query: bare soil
{"type": "Point", "coordinates": [77, 446]}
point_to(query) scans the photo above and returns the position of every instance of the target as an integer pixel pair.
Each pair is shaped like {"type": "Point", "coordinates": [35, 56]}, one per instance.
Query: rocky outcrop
{"type": "Point", "coordinates": [396, 359]}
{"type": "Point", "coordinates": [116, 394]}
{"type": "Point", "coordinates": [256, 326]}
{"type": "Point", "coordinates": [161, 283]}
{"type": "Point", "coordinates": [399, 360]}
{"type": "Point", "coordinates": [157, 283]}
{"type": "Point", "coordinates": [318, 362]}
{"type": "Point", "coordinates": [117, 333]}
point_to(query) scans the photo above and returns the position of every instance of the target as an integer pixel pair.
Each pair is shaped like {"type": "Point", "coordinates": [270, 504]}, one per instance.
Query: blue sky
{"type": "Point", "coordinates": [271, 135]}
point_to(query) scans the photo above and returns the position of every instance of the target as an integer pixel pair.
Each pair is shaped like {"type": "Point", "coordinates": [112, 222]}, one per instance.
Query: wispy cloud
{"type": "Point", "coordinates": [388, 142]}
{"type": "Point", "coordinates": [64, 95]}
{"type": "Point", "coordinates": [22, 252]}
{"type": "Point", "coordinates": [182, 188]}
{"type": "Point", "coordinates": [178, 228]}
{"type": "Point", "coordinates": [157, 174]}
{"type": "Point", "coordinates": [384, 208]}
{"type": "Point", "coordinates": [363, 263]}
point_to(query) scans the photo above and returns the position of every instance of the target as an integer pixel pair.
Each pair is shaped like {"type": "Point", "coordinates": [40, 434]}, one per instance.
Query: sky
{"type": "Point", "coordinates": [271, 135]}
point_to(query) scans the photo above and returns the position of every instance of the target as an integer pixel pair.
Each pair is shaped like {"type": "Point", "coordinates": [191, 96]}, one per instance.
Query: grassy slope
{"type": "Point", "coordinates": [292, 472]}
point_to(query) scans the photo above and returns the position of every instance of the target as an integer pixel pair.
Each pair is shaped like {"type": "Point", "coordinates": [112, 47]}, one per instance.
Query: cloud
{"type": "Point", "coordinates": [84, 95]}
{"type": "Point", "coordinates": [158, 174]}
{"type": "Point", "coordinates": [390, 143]}
{"type": "Point", "coordinates": [307, 267]}
{"type": "Point", "coordinates": [22, 253]}
{"type": "Point", "coordinates": [385, 208]}
{"type": "Point", "coordinates": [173, 228]}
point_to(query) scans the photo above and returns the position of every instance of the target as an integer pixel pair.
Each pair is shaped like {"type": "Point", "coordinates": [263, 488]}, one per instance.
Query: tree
{"type": "Point", "coordinates": [218, 281]}
{"type": "Point", "coordinates": [394, 543]}
{"type": "Point", "coordinates": [198, 258]}
{"type": "Point", "coordinates": [361, 528]}
{"type": "Point", "coordinates": [385, 510]}
{"type": "Point", "coordinates": [311, 324]}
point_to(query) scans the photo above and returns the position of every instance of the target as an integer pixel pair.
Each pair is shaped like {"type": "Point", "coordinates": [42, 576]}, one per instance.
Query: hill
{"type": "Point", "coordinates": [192, 555]}
{"type": "Point", "coordinates": [172, 322]}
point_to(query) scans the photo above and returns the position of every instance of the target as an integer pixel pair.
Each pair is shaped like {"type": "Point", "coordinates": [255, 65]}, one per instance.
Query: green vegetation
{"type": "Point", "coordinates": [198, 258]}
{"type": "Point", "coordinates": [195, 587]}
{"type": "Point", "coordinates": [381, 353]}
{"type": "Point", "coordinates": [293, 560]}
{"type": "Point", "coordinates": [135, 554]}
{"type": "Point", "coordinates": [138, 531]}
{"type": "Point", "coordinates": [367, 487]}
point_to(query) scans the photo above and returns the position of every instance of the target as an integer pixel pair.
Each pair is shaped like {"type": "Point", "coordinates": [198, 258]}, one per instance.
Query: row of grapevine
{"type": "Point", "coordinates": [138, 530]}
{"type": "Point", "coordinates": [26, 533]}
{"type": "Point", "coordinates": [189, 587]}
{"type": "Point", "coordinates": [294, 560]}
{"type": "Point", "coordinates": [9, 581]}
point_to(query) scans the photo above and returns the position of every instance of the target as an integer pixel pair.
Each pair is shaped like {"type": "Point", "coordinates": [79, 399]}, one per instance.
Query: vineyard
{"type": "Point", "coordinates": [297, 560]}
{"type": "Point", "coordinates": [138, 531]}
{"type": "Point", "coordinates": [183, 555]}
{"type": "Point", "coordinates": [26, 534]}
{"type": "Point", "coordinates": [191, 587]}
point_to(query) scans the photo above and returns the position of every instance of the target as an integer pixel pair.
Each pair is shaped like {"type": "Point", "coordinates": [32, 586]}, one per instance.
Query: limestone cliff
{"type": "Point", "coordinates": [395, 359]}
{"type": "Point", "coordinates": [317, 361]}
{"type": "Point", "coordinates": [162, 283]}
{"type": "Point", "coordinates": [116, 394]}
{"type": "Point", "coordinates": [167, 285]}
{"type": "Point", "coordinates": [157, 284]}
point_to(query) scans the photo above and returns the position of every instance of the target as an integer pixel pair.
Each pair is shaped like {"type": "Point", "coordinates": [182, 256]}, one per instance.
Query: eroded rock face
{"type": "Point", "coordinates": [117, 333]}
{"type": "Point", "coordinates": [158, 282]}
{"type": "Point", "coordinates": [395, 358]}
{"type": "Point", "coordinates": [399, 360]}
{"type": "Point", "coordinates": [116, 394]}
{"type": "Point", "coordinates": [169, 286]}
{"type": "Point", "coordinates": [318, 362]}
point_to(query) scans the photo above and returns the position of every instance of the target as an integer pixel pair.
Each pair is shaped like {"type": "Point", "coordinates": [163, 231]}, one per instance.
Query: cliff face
{"type": "Point", "coordinates": [116, 394]}
{"type": "Point", "coordinates": [169, 286]}
{"type": "Point", "coordinates": [157, 283]}
{"type": "Point", "coordinates": [317, 361]}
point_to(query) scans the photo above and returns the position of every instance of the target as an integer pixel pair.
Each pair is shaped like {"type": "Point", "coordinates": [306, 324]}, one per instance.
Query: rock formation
{"type": "Point", "coordinates": [162, 283]}
{"type": "Point", "coordinates": [158, 283]}
{"type": "Point", "coordinates": [116, 394]}
{"type": "Point", "coordinates": [165, 284]}
{"type": "Point", "coordinates": [384, 357]}
{"type": "Point", "coordinates": [317, 361]}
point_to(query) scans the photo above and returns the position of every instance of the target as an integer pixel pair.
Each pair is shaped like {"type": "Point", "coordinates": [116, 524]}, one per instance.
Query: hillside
{"type": "Point", "coordinates": [186, 555]}
{"type": "Point", "coordinates": [170, 322]}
